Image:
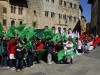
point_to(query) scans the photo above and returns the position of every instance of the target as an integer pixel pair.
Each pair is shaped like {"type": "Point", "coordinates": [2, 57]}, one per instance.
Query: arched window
{"type": "Point", "coordinates": [64, 29]}
{"type": "Point", "coordinates": [34, 24]}
{"type": "Point", "coordinates": [45, 27]}
{"type": "Point", "coordinates": [20, 22]}
{"type": "Point", "coordinates": [70, 18]}
{"type": "Point", "coordinates": [12, 9]}
{"type": "Point", "coordinates": [21, 11]}
{"type": "Point", "coordinates": [53, 28]}
{"type": "Point", "coordinates": [59, 30]}
{"type": "Point", "coordinates": [12, 22]}
{"type": "Point", "coordinates": [71, 5]}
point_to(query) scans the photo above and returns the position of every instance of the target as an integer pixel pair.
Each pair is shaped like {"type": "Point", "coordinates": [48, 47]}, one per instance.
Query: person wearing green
{"type": "Point", "coordinates": [3, 52]}
{"type": "Point", "coordinates": [1, 30]}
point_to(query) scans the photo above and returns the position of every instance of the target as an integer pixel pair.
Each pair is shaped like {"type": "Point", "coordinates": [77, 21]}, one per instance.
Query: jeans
{"type": "Point", "coordinates": [30, 60]}
{"type": "Point", "coordinates": [49, 58]}
{"type": "Point", "coordinates": [12, 62]}
{"type": "Point", "coordinates": [19, 63]}
{"type": "Point", "coordinates": [84, 47]}
{"type": "Point", "coordinates": [3, 60]}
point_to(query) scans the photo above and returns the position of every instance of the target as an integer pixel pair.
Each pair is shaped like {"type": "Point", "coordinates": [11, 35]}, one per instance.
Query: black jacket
{"type": "Point", "coordinates": [19, 53]}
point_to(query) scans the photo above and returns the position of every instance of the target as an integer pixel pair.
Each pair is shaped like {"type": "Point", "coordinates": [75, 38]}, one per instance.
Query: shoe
{"type": "Point", "coordinates": [12, 69]}
{"type": "Point", "coordinates": [50, 63]}
{"type": "Point", "coordinates": [22, 69]}
{"type": "Point", "coordinates": [67, 62]}
{"type": "Point", "coordinates": [18, 70]}
{"type": "Point", "coordinates": [71, 62]}
{"type": "Point", "coordinates": [79, 54]}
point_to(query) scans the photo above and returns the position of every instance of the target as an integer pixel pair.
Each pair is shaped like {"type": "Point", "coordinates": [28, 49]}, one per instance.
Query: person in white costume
{"type": "Point", "coordinates": [68, 46]}
{"type": "Point", "coordinates": [89, 44]}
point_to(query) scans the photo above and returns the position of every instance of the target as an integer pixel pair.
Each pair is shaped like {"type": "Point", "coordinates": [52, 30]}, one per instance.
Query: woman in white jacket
{"type": "Point", "coordinates": [69, 47]}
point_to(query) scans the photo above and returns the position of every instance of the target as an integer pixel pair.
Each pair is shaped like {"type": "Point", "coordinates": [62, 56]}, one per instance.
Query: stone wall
{"type": "Point", "coordinates": [37, 8]}
{"type": "Point", "coordinates": [34, 14]}
{"type": "Point", "coordinates": [83, 24]}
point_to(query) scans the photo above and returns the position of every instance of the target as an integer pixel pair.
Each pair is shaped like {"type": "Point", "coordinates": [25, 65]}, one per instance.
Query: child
{"type": "Point", "coordinates": [19, 57]}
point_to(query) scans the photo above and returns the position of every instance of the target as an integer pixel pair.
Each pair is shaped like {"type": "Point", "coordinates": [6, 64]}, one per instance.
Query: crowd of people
{"type": "Point", "coordinates": [15, 57]}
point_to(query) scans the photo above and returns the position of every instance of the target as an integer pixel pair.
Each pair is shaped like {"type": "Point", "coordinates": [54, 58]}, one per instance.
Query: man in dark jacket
{"type": "Point", "coordinates": [49, 45]}
{"type": "Point", "coordinates": [19, 57]}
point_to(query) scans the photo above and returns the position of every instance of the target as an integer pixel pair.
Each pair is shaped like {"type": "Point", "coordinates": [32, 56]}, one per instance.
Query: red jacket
{"type": "Point", "coordinates": [12, 50]}
{"type": "Point", "coordinates": [98, 40]}
{"type": "Point", "coordinates": [40, 46]}
{"type": "Point", "coordinates": [12, 42]}
{"type": "Point", "coordinates": [93, 42]}
{"type": "Point", "coordinates": [11, 46]}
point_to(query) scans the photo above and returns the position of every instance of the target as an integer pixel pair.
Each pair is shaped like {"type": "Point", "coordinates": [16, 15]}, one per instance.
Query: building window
{"type": "Point", "coordinates": [4, 10]}
{"type": "Point", "coordinates": [46, 27]}
{"type": "Point", "coordinates": [75, 6]}
{"type": "Point", "coordinates": [64, 3]}
{"type": "Point", "coordinates": [59, 30]}
{"type": "Point", "coordinates": [20, 22]}
{"type": "Point", "coordinates": [60, 2]}
{"type": "Point", "coordinates": [64, 29]}
{"type": "Point", "coordinates": [12, 22]}
{"type": "Point", "coordinates": [70, 5]}
{"type": "Point", "coordinates": [21, 10]}
{"type": "Point", "coordinates": [34, 24]}
{"type": "Point", "coordinates": [64, 17]}
{"type": "Point", "coordinates": [52, 14]}
{"type": "Point", "coordinates": [53, 29]}
{"type": "Point", "coordinates": [53, 1]}
{"type": "Point", "coordinates": [35, 13]}
{"type": "Point", "coordinates": [75, 19]}
{"type": "Point", "coordinates": [46, 13]}
{"type": "Point", "coordinates": [12, 9]}
{"type": "Point", "coordinates": [4, 22]}
{"type": "Point", "coordinates": [70, 18]}
{"type": "Point", "coordinates": [60, 16]}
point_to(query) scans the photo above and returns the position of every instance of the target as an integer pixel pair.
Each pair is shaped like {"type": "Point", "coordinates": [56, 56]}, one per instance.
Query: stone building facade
{"type": "Point", "coordinates": [57, 14]}
{"type": "Point", "coordinates": [62, 14]}
{"type": "Point", "coordinates": [13, 12]}
{"type": "Point", "coordinates": [83, 24]}
{"type": "Point", "coordinates": [95, 16]}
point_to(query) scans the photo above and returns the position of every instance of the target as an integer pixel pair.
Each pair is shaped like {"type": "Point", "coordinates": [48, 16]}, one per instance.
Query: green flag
{"type": "Point", "coordinates": [1, 29]}
{"type": "Point", "coordinates": [61, 54]}
{"type": "Point", "coordinates": [57, 38]}
{"type": "Point", "coordinates": [74, 42]}
{"type": "Point", "coordinates": [71, 52]}
{"type": "Point", "coordinates": [54, 39]}
{"type": "Point", "coordinates": [40, 33]}
{"type": "Point", "coordinates": [64, 36]}
{"type": "Point", "coordinates": [28, 45]}
{"type": "Point", "coordinates": [24, 33]}
{"type": "Point", "coordinates": [31, 32]}
{"type": "Point", "coordinates": [19, 28]}
{"type": "Point", "coordinates": [10, 32]}
{"type": "Point", "coordinates": [48, 33]}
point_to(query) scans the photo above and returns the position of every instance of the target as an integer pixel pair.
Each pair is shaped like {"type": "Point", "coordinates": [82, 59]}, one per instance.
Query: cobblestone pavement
{"type": "Point", "coordinates": [86, 64]}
